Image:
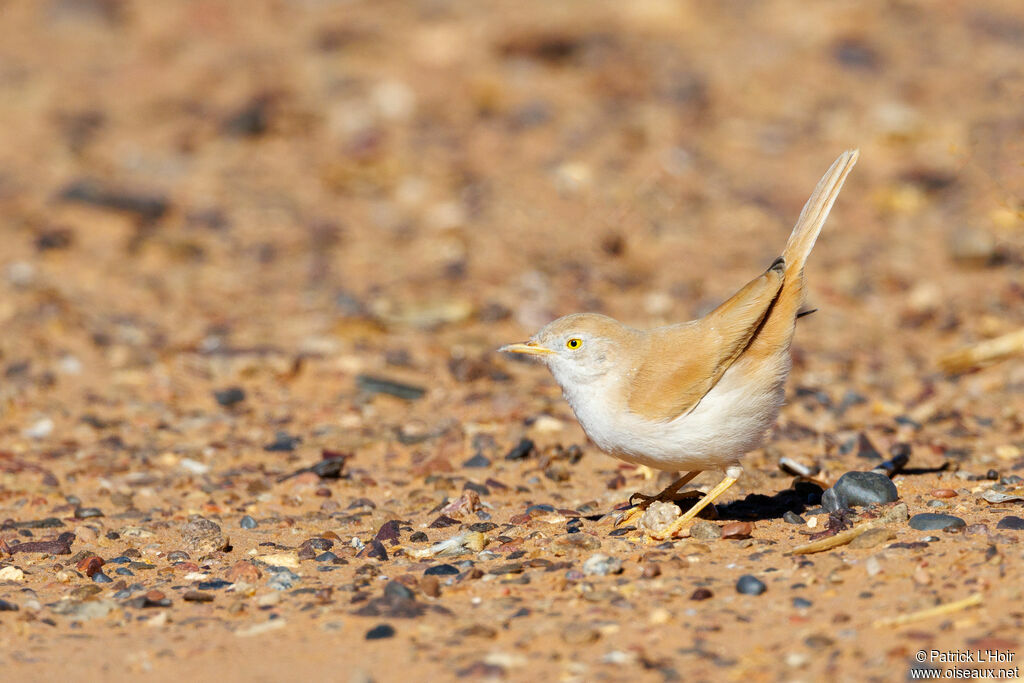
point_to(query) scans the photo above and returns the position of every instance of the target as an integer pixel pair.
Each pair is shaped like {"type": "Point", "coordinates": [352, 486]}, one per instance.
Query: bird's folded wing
{"type": "Point", "coordinates": [683, 362]}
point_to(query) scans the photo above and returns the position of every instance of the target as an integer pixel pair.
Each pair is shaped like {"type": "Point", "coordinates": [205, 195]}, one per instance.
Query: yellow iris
{"type": "Point", "coordinates": [574, 343]}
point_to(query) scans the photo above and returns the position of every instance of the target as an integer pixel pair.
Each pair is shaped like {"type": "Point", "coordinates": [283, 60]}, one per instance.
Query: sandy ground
{"type": "Point", "coordinates": [299, 200]}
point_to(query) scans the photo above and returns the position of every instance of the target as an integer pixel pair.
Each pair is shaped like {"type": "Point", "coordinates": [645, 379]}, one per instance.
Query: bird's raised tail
{"type": "Point", "coordinates": [816, 210]}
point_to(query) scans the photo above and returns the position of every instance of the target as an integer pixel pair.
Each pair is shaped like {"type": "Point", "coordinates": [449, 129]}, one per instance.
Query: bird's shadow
{"type": "Point", "coordinates": [756, 506]}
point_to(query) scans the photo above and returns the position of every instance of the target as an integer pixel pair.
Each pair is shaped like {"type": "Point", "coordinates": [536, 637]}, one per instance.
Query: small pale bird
{"type": "Point", "coordinates": [696, 395]}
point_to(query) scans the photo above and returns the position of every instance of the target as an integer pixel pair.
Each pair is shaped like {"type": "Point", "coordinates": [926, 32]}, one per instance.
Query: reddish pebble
{"type": "Point", "coordinates": [243, 571]}
{"type": "Point", "coordinates": [651, 570]}
{"type": "Point", "coordinates": [944, 493]}
{"type": "Point", "coordinates": [155, 595]}
{"type": "Point", "coordinates": [431, 586]}
{"type": "Point", "coordinates": [737, 530]}
{"type": "Point", "coordinates": [90, 565]}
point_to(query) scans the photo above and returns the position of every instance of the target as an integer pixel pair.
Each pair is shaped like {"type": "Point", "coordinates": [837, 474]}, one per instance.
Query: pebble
{"type": "Point", "coordinates": [791, 517]}
{"type": "Point", "coordinates": [701, 594]}
{"type": "Point", "coordinates": [441, 570]}
{"type": "Point", "coordinates": [100, 577]}
{"type": "Point", "coordinates": [197, 596]}
{"type": "Point", "coordinates": [577, 633]}
{"type": "Point", "coordinates": [931, 521]}
{"type": "Point", "coordinates": [705, 531]}
{"type": "Point", "coordinates": [8, 606]}
{"type": "Point", "coordinates": [859, 489]}
{"type": "Point", "coordinates": [230, 396]}
{"type": "Point", "coordinates": [802, 603]}
{"type": "Point", "coordinates": [944, 493]}
{"type": "Point", "coordinates": [1011, 523]}
{"type": "Point", "coordinates": [600, 564]}
{"type": "Point", "coordinates": [203, 536]}
{"type": "Point", "coordinates": [737, 530]}
{"type": "Point", "coordinates": [11, 573]}
{"type": "Point", "coordinates": [326, 557]}
{"type": "Point", "coordinates": [750, 585]}
{"type": "Point", "coordinates": [248, 522]}
{"type": "Point", "coordinates": [243, 571]}
{"type": "Point", "coordinates": [282, 579]}
{"type": "Point", "coordinates": [431, 586]}
{"type": "Point", "coordinates": [380, 632]}
{"type": "Point", "coordinates": [478, 460]}
{"type": "Point", "coordinates": [85, 513]}
{"type": "Point", "coordinates": [521, 450]}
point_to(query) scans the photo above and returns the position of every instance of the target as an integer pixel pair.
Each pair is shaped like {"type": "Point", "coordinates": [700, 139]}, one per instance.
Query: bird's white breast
{"type": "Point", "coordinates": [729, 421]}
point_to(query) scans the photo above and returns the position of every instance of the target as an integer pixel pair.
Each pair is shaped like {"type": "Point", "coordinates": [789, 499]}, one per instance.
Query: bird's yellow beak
{"type": "Point", "coordinates": [529, 348]}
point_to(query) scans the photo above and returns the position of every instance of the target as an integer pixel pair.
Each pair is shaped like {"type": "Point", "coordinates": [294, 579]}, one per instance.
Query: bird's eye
{"type": "Point", "coordinates": [574, 343]}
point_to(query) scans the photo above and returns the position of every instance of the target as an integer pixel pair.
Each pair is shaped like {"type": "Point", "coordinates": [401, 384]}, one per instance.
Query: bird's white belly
{"type": "Point", "coordinates": [728, 422]}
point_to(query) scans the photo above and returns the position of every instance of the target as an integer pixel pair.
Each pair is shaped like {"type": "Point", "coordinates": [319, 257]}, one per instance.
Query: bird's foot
{"type": "Point", "coordinates": [665, 532]}
{"type": "Point", "coordinates": [632, 514]}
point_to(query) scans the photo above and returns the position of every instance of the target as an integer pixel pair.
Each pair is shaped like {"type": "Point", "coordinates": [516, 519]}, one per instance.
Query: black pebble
{"type": "Point", "coordinates": [380, 632]}
{"type": "Point", "coordinates": [859, 489]}
{"type": "Point", "coordinates": [419, 537]}
{"type": "Point", "coordinates": [248, 522]}
{"type": "Point", "coordinates": [230, 396]}
{"type": "Point", "coordinates": [750, 585]}
{"type": "Point", "coordinates": [477, 460]}
{"type": "Point", "coordinates": [520, 450]}
{"type": "Point", "coordinates": [791, 517]}
{"type": "Point", "coordinates": [441, 570]}
{"type": "Point", "coordinates": [8, 606]}
{"type": "Point", "coordinates": [701, 594]}
{"type": "Point", "coordinates": [802, 602]}
{"type": "Point", "coordinates": [326, 557]}
{"type": "Point", "coordinates": [283, 442]}
{"type": "Point", "coordinates": [1011, 523]}
{"type": "Point", "coordinates": [932, 521]}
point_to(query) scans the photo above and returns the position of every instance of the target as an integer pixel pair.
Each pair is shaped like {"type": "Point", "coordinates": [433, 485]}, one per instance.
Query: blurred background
{"type": "Point", "coordinates": [407, 185]}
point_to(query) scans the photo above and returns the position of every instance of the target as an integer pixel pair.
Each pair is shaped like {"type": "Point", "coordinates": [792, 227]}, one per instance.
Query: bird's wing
{"type": "Point", "coordinates": [683, 362]}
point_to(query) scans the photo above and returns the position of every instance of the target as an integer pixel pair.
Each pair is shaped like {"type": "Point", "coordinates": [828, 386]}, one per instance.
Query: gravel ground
{"type": "Point", "coordinates": [258, 257]}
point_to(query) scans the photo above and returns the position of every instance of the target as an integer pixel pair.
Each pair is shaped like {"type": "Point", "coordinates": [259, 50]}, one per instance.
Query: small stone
{"type": "Point", "coordinates": [791, 517]}
{"type": "Point", "coordinates": [577, 633]}
{"type": "Point", "coordinates": [872, 537]}
{"type": "Point", "coordinates": [86, 513]}
{"type": "Point", "coordinates": [282, 579]}
{"type": "Point", "coordinates": [578, 540]}
{"type": "Point", "coordinates": [441, 570]}
{"type": "Point", "coordinates": [243, 572]}
{"type": "Point", "coordinates": [737, 530]}
{"type": "Point", "coordinates": [11, 573]}
{"type": "Point", "coordinates": [651, 570]}
{"type": "Point", "coordinates": [229, 397]}
{"type": "Point", "coordinates": [197, 596]}
{"type": "Point", "coordinates": [8, 606]}
{"type": "Point", "coordinates": [521, 450]}
{"type": "Point", "coordinates": [701, 594]}
{"type": "Point", "coordinates": [89, 565]}
{"type": "Point", "coordinates": [430, 586]}
{"type": "Point", "coordinates": [705, 531]}
{"type": "Point", "coordinates": [600, 564]}
{"type": "Point", "coordinates": [1011, 523]}
{"type": "Point", "coordinates": [944, 493]}
{"type": "Point", "coordinates": [802, 603]}
{"type": "Point", "coordinates": [932, 521]}
{"type": "Point", "coordinates": [326, 557]}
{"type": "Point", "coordinates": [203, 536]}
{"type": "Point", "coordinates": [100, 577]}
{"type": "Point", "coordinates": [859, 489]}
{"type": "Point", "coordinates": [248, 522]}
{"type": "Point", "coordinates": [750, 585]}
{"type": "Point", "coordinates": [380, 632]}
{"type": "Point", "coordinates": [478, 460]}
{"type": "Point", "coordinates": [289, 560]}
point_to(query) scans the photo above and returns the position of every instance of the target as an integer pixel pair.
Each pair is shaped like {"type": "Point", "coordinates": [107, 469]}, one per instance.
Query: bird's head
{"type": "Point", "coordinates": [579, 349]}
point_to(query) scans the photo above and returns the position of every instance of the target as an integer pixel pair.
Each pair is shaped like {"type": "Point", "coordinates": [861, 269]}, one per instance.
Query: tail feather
{"type": "Point", "coordinates": [815, 211]}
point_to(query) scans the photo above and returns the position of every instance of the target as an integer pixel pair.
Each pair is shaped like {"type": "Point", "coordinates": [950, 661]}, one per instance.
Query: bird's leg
{"type": "Point", "coordinates": [732, 473]}
{"type": "Point", "coordinates": [665, 496]}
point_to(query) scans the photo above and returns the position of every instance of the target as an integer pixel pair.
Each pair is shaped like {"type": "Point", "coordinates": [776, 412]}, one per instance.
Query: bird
{"type": "Point", "coordinates": [697, 395]}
